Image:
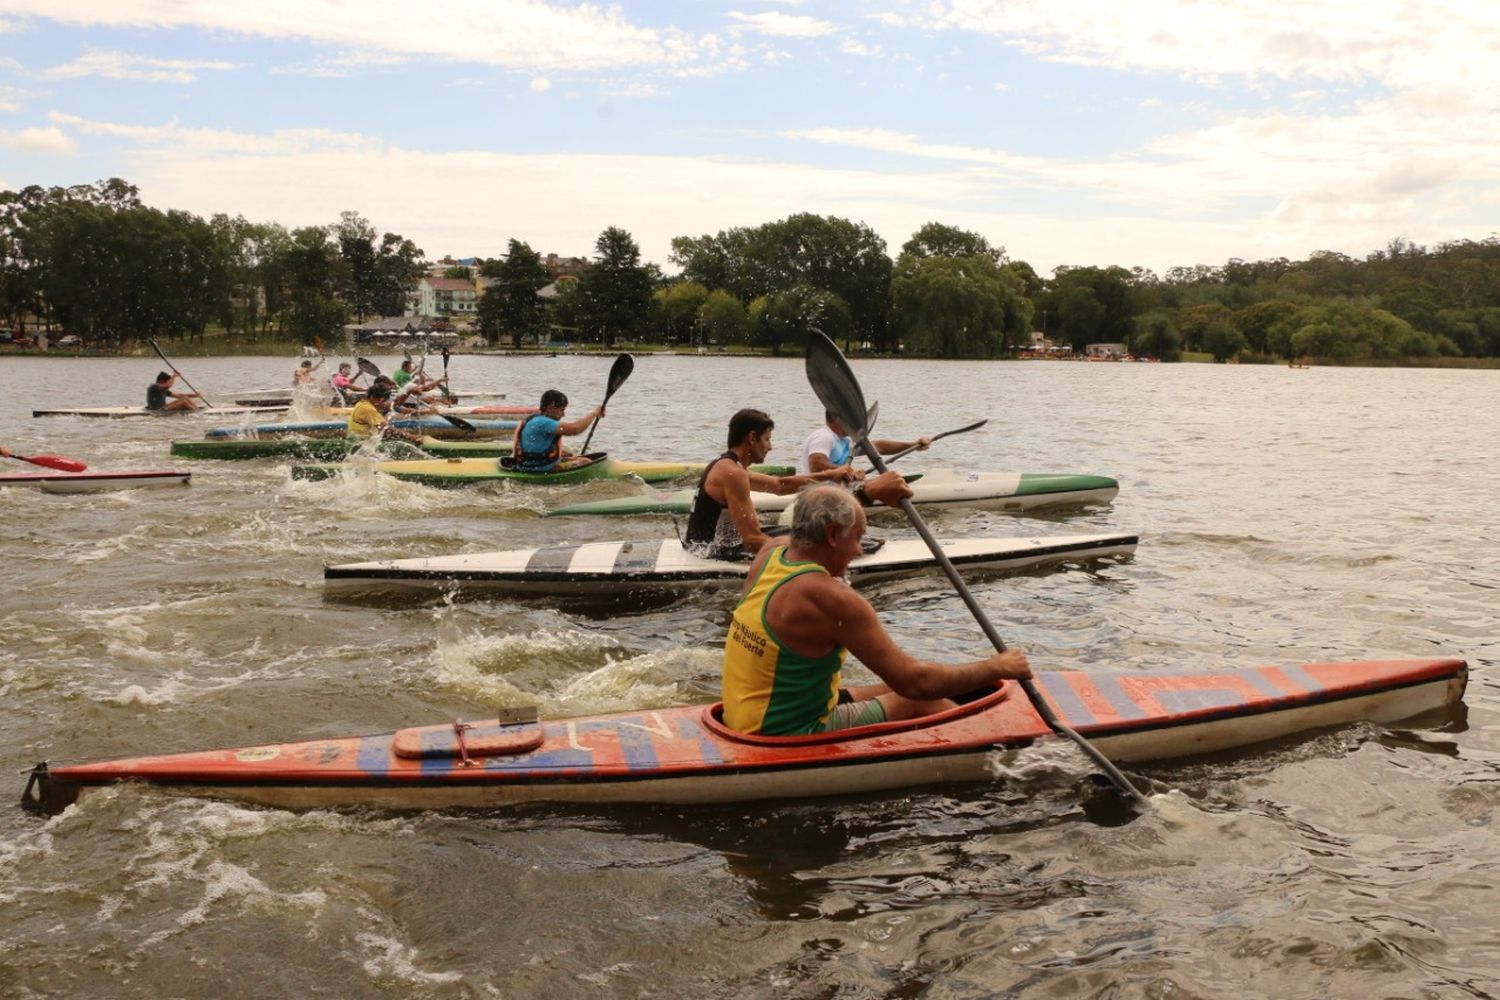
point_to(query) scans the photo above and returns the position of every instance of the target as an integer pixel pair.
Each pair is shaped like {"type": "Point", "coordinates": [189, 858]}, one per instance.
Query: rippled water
{"type": "Point", "coordinates": [1285, 515]}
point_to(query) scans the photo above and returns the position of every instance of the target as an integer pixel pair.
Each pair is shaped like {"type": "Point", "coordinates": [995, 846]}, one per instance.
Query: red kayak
{"type": "Point", "coordinates": [686, 755]}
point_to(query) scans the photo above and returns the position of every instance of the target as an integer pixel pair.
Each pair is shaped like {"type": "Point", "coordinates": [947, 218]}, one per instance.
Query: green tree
{"type": "Point", "coordinates": [837, 255]}
{"type": "Point", "coordinates": [1193, 322]}
{"type": "Point", "coordinates": [958, 306]}
{"type": "Point", "coordinates": [678, 305]}
{"type": "Point", "coordinates": [615, 292]}
{"type": "Point", "coordinates": [356, 278]}
{"type": "Point", "coordinates": [723, 319]}
{"type": "Point", "coordinates": [511, 304]}
{"type": "Point", "coordinates": [398, 268]}
{"type": "Point", "coordinates": [937, 240]}
{"type": "Point", "coordinates": [1156, 337]}
{"type": "Point", "coordinates": [1256, 322]}
{"type": "Point", "coordinates": [1223, 340]}
{"type": "Point", "coordinates": [785, 319]}
{"type": "Point", "coordinates": [312, 307]}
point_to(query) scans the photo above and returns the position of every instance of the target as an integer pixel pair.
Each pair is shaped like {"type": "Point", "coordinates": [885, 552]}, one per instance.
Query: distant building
{"type": "Point", "coordinates": [1108, 352]}
{"type": "Point", "coordinates": [454, 298]}
{"type": "Point", "coordinates": [564, 267]}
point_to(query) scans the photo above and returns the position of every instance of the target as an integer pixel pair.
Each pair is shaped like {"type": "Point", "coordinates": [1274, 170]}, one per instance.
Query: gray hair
{"type": "Point", "coordinates": [820, 507]}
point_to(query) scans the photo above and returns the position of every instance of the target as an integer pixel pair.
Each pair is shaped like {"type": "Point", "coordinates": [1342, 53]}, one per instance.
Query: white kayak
{"type": "Point", "coordinates": [141, 411]}
{"type": "Point", "coordinates": [624, 568]}
{"type": "Point", "coordinates": [94, 482]}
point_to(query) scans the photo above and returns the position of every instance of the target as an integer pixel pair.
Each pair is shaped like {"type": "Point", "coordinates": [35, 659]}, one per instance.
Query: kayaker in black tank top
{"type": "Point", "coordinates": [722, 523]}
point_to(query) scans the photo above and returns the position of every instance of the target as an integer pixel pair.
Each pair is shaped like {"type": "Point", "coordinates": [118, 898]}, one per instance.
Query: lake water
{"type": "Point", "coordinates": [1285, 516]}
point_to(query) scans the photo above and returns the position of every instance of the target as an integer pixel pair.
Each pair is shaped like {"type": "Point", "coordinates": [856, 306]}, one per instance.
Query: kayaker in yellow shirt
{"type": "Point", "coordinates": [368, 417]}
{"type": "Point", "coordinates": [797, 619]}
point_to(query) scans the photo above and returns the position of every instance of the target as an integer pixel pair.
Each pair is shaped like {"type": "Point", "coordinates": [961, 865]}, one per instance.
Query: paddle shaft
{"type": "Point", "coordinates": [1042, 707]}
{"type": "Point", "coordinates": [167, 361]}
{"type": "Point", "coordinates": [618, 373]}
{"type": "Point", "coordinates": [957, 430]}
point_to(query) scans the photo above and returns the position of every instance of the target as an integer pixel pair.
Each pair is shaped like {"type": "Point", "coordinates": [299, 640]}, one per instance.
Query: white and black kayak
{"type": "Point", "coordinates": [625, 568]}
{"type": "Point", "coordinates": [141, 411]}
{"type": "Point", "coordinates": [938, 488]}
{"type": "Point", "coordinates": [94, 482]}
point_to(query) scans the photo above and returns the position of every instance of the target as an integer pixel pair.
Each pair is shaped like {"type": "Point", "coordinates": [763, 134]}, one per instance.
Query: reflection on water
{"type": "Point", "coordinates": [1325, 514]}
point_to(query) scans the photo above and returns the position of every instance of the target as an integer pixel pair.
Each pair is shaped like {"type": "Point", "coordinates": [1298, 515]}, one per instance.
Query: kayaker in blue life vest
{"type": "Point", "coordinates": [798, 618]}
{"type": "Point", "coordinates": [537, 446]}
{"type": "Point", "coordinates": [722, 523]}
{"type": "Point", "coordinates": [160, 397]}
{"type": "Point", "coordinates": [830, 445]}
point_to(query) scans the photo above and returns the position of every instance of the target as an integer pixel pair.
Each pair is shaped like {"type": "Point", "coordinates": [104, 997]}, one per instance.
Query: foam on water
{"type": "Point", "coordinates": [390, 958]}
{"type": "Point", "coordinates": [545, 665]}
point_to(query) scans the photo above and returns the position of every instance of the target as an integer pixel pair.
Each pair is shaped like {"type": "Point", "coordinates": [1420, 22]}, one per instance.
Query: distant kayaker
{"type": "Point", "coordinates": [537, 446]}
{"type": "Point", "coordinates": [368, 418]}
{"type": "Point", "coordinates": [830, 445]}
{"type": "Point", "coordinates": [160, 397]}
{"type": "Point", "coordinates": [303, 373]}
{"type": "Point", "coordinates": [797, 619]}
{"type": "Point", "coordinates": [722, 523]}
{"type": "Point", "coordinates": [343, 385]}
{"type": "Point", "coordinates": [411, 395]}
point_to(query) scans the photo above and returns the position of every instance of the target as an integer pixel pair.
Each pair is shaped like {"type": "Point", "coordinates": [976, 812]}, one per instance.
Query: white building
{"type": "Point", "coordinates": [455, 298]}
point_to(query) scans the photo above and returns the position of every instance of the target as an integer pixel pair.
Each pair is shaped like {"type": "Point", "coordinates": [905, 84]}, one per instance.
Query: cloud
{"type": "Point", "coordinates": [532, 35]}
{"type": "Point", "coordinates": [854, 47]}
{"type": "Point", "coordinates": [343, 64]}
{"type": "Point", "coordinates": [540, 85]}
{"type": "Point", "coordinates": [635, 90]}
{"type": "Point", "coordinates": [126, 66]}
{"type": "Point", "coordinates": [196, 141]}
{"type": "Point", "coordinates": [47, 141]}
{"type": "Point", "coordinates": [779, 25]}
{"type": "Point", "coordinates": [1052, 212]}
{"type": "Point", "coordinates": [1402, 45]}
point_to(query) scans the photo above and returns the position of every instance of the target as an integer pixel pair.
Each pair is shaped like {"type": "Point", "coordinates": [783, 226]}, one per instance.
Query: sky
{"type": "Point", "coordinates": [1142, 133]}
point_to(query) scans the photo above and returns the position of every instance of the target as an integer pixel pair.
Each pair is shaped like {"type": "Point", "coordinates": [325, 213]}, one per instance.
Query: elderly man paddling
{"type": "Point", "coordinates": [797, 619]}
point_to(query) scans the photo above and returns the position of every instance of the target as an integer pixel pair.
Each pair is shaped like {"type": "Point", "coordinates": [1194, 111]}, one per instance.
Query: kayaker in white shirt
{"type": "Point", "coordinates": [829, 447]}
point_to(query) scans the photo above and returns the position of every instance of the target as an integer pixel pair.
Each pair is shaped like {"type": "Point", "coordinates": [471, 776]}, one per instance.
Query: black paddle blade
{"type": "Point", "coordinates": [368, 367]}
{"type": "Point", "coordinates": [458, 422]}
{"type": "Point", "coordinates": [618, 373]}
{"type": "Point", "coordinates": [837, 388]}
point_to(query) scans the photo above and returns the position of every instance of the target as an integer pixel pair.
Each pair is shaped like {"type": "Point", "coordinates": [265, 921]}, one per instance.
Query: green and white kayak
{"type": "Point", "coordinates": [1007, 491]}
{"type": "Point", "coordinates": [332, 449]}
{"type": "Point", "coordinates": [465, 471]}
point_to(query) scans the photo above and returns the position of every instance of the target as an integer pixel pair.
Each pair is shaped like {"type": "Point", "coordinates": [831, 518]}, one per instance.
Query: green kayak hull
{"type": "Point", "coordinates": [330, 449]}
{"type": "Point", "coordinates": [466, 471]}
{"type": "Point", "coordinates": [1007, 491]}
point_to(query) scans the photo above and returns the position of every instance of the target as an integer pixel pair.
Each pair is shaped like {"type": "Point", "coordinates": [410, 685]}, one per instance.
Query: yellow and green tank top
{"type": "Point", "coordinates": [769, 689]}
{"type": "Point", "coordinates": [365, 420]}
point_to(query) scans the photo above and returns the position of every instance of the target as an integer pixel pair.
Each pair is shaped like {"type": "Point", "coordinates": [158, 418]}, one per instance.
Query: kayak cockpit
{"type": "Point", "coordinates": [713, 721]}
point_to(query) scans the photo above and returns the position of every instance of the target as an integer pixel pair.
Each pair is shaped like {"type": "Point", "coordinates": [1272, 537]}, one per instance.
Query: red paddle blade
{"type": "Point", "coordinates": [55, 462]}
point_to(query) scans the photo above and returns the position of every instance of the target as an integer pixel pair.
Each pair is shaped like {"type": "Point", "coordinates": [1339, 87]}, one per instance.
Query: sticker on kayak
{"type": "Point", "coordinates": [254, 755]}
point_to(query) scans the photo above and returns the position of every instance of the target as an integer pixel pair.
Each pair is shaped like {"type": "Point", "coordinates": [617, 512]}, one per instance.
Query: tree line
{"type": "Point", "coordinates": [92, 259]}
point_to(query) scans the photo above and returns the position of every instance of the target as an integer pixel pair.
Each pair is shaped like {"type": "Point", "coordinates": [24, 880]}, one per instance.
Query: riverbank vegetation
{"type": "Point", "coordinates": [94, 261]}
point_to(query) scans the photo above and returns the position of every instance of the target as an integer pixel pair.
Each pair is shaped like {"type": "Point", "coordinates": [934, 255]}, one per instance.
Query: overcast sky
{"type": "Point", "coordinates": [1148, 133]}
